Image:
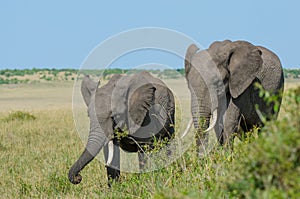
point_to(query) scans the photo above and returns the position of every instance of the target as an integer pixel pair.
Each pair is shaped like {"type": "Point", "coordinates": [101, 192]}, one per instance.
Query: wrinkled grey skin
{"type": "Point", "coordinates": [239, 65]}
{"type": "Point", "coordinates": [140, 103]}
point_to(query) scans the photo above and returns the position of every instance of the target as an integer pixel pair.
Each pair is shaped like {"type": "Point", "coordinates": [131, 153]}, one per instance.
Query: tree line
{"type": "Point", "coordinates": [292, 73]}
{"type": "Point", "coordinates": [10, 76]}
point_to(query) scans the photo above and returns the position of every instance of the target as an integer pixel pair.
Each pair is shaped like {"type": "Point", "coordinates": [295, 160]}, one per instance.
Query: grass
{"type": "Point", "coordinates": [37, 154]}
{"type": "Point", "coordinates": [38, 96]}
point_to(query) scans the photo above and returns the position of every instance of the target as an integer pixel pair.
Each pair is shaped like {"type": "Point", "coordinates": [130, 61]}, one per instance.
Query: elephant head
{"type": "Point", "coordinates": [132, 98]}
{"type": "Point", "coordinates": [239, 63]}
{"type": "Point", "coordinates": [129, 102]}
{"type": "Point", "coordinates": [224, 70]}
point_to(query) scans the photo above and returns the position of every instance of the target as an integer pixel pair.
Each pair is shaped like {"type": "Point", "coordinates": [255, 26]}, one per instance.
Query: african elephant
{"type": "Point", "coordinates": [222, 80]}
{"type": "Point", "coordinates": [130, 112]}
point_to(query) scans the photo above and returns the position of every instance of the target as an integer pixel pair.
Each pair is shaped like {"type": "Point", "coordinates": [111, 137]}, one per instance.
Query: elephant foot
{"type": "Point", "coordinates": [113, 175]}
{"type": "Point", "coordinates": [112, 181]}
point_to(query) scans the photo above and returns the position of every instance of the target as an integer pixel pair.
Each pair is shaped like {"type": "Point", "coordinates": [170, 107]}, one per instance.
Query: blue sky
{"type": "Point", "coordinates": [60, 34]}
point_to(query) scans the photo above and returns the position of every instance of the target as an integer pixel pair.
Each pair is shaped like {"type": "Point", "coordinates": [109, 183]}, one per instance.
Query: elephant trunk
{"type": "Point", "coordinates": [95, 143]}
{"type": "Point", "coordinates": [201, 119]}
{"type": "Point", "coordinates": [85, 158]}
{"type": "Point", "coordinates": [208, 100]}
{"type": "Point", "coordinates": [201, 108]}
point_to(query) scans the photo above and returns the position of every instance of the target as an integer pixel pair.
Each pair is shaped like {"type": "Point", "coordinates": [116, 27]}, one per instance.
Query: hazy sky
{"type": "Point", "coordinates": [60, 34]}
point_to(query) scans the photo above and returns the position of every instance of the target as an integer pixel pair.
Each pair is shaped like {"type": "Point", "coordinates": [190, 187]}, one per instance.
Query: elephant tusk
{"type": "Point", "coordinates": [214, 121]}
{"type": "Point", "coordinates": [110, 153]}
{"type": "Point", "coordinates": [187, 128]}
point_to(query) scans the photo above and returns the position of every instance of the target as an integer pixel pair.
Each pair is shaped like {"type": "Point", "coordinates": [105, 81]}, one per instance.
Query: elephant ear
{"type": "Point", "coordinates": [140, 102]}
{"type": "Point", "coordinates": [88, 86]}
{"type": "Point", "coordinates": [244, 63]}
{"type": "Point", "coordinates": [191, 51]}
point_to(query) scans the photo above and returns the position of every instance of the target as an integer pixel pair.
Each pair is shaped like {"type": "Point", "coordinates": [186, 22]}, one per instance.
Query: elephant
{"type": "Point", "coordinates": [222, 80]}
{"type": "Point", "coordinates": [130, 112]}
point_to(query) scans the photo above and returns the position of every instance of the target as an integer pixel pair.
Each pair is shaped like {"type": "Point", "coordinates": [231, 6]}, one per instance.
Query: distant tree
{"type": "Point", "coordinates": [292, 73]}
{"type": "Point", "coordinates": [14, 81]}
{"type": "Point", "coordinates": [54, 72]}
{"type": "Point", "coordinates": [181, 71]}
{"type": "Point", "coordinates": [7, 74]}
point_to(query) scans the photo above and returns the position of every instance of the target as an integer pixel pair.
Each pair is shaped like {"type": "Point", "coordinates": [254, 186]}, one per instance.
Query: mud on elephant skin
{"type": "Point", "coordinates": [222, 80]}
{"type": "Point", "coordinates": [139, 104]}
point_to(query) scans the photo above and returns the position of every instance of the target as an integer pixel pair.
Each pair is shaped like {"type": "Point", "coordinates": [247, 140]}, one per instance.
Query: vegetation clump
{"type": "Point", "coordinates": [265, 165]}
{"type": "Point", "coordinates": [269, 166]}
{"type": "Point", "coordinates": [292, 73]}
{"type": "Point", "coordinates": [19, 116]}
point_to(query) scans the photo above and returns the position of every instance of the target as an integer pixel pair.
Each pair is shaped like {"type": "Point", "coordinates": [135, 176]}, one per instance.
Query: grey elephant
{"type": "Point", "coordinates": [130, 112]}
{"type": "Point", "coordinates": [222, 80]}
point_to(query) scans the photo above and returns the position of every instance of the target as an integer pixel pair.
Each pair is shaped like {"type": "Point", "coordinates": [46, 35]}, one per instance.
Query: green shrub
{"type": "Point", "coordinates": [68, 74]}
{"type": "Point", "coordinates": [54, 72]}
{"type": "Point", "coordinates": [17, 72]}
{"type": "Point", "coordinates": [14, 81]}
{"type": "Point", "coordinates": [19, 116]}
{"type": "Point", "coordinates": [48, 78]}
{"type": "Point", "coordinates": [7, 74]}
{"type": "Point", "coordinates": [269, 166]}
{"type": "Point", "coordinates": [25, 81]}
{"type": "Point", "coordinates": [4, 81]}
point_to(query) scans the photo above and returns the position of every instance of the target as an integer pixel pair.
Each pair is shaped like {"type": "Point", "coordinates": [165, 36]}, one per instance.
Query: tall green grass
{"type": "Point", "coordinates": [36, 155]}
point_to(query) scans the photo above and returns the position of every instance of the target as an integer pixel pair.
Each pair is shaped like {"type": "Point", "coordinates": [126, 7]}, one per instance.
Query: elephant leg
{"type": "Point", "coordinates": [142, 160]}
{"type": "Point", "coordinates": [231, 122]}
{"type": "Point", "coordinates": [113, 170]}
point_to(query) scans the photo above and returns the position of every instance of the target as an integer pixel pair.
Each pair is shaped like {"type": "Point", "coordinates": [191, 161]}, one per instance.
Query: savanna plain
{"type": "Point", "coordinates": [39, 142]}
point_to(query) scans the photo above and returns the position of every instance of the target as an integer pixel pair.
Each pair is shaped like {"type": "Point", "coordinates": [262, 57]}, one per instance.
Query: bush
{"type": "Point", "coordinates": [16, 72]}
{"type": "Point", "coordinates": [54, 72]}
{"type": "Point", "coordinates": [48, 78]}
{"type": "Point", "coordinates": [19, 116]}
{"type": "Point", "coordinates": [269, 166]}
{"type": "Point", "coordinates": [4, 81]}
{"type": "Point", "coordinates": [7, 74]}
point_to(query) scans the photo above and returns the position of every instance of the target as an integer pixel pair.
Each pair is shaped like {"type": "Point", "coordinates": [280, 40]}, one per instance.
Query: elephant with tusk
{"type": "Point", "coordinates": [139, 107]}
{"type": "Point", "coordinates": [222, 79]}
